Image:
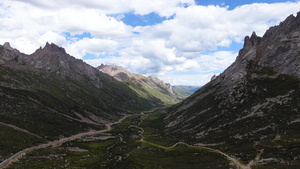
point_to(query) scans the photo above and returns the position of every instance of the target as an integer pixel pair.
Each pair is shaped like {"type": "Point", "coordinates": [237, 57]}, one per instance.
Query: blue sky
{"type": "Point", "coordinates": [183, 42]}
{"type": "Point", "coordinates": [143, 20]}
{"type": "Point", "coordinates": [233, 3]}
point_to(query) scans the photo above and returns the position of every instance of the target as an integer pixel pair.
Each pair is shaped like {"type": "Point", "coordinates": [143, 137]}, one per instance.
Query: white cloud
{"type": "Point", "coordinates": [215, 62]}
{"type": "Point", "coordinates": [53, 37]}
{"type": "Point", "coordinates": [173, 46]}
{"type": "Point", "coordinates": [135, 64]}
{"type": "Point", "coordinates": [200, 28]}
{"type": "Point", "coordinates": [163, 8]}
{"type": "Point", "coordinates": [187, 65]}
{"type": "Point", "coordinates": [22, 22]}
{"type": "Point", "coordinates": [89, 20]}
{"type": "Point", "coordinates": [93, 46]}
{"type": "Point", "coordinates": [193, 79]}
{"type": "Point", "coordinates": [154, 49]}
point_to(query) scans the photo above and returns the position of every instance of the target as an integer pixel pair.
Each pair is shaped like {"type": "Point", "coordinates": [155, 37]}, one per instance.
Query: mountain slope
{"type": "Point", "coordinates": [150, 88]}
{"type": "Point", "coordinates": [253, 105]}
{"type": "Point", "coordinates": [50, 94]}
{"type": "Point", "coordinates": [59, 93]}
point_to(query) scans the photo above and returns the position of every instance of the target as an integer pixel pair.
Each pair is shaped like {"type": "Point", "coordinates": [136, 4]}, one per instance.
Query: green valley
{"type": "Point", "coordinates": [122, 148]}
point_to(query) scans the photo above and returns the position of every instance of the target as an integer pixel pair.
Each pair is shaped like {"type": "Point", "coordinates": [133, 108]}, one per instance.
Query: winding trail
{"type": "Point", "coordinates": [19, 129]}
{"type": "Point", "coordinates": [57, 143]}
{"type": "Point", "coordinates": [233, 160]}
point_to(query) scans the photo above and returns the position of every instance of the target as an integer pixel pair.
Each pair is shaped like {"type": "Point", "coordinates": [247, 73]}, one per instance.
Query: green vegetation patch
{"type": "Point", "coordinates": [179, 157]}
{"type": "Point", "coordinates": [92, 154]}
{"type": "Point", "coordinates": [154, 129]}
{"type": "Point", "coordinates": [13, 141]}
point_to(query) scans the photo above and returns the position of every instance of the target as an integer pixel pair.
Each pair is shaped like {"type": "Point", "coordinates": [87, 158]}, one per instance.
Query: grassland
{"type": "Point", "coordinates": [13, 141]}
{"type": "Point", "coordinates": [123, 150]}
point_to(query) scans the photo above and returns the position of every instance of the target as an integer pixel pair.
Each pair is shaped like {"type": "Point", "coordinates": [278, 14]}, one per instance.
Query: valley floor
{"type": "Point", "coordinates": [135, 141]}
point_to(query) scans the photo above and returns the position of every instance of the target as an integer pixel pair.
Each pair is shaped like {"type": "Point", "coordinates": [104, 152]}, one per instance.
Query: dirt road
{"type": "Point", "coordinates": [57, 143]}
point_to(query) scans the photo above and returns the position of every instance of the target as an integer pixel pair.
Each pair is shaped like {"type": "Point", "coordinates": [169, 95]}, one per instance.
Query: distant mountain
{"type": "Point", "coordinates": [51, 94]}
{"type": "Point", "coordinates": [150, 88]}
{"type": "Point", "coordinates": [186, 90]}
{"type": "Point", "coordinates": [253, 106]}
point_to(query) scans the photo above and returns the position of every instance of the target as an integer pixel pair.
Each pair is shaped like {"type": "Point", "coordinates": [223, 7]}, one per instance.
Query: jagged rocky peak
{"type": "Point", "coordinates": [7, 46]}
{"type": "Point", "coordinates": [118, 72]}
{"type": "Point", "coordinates": [280, 47]}
{"type": "Point", "coordinates": [50, 48]}
{"type": "Point", "coordinates": [52, 60]}
{"type": "Point", "coordinates": [249, 44]}
{"type": "Point", "coordinates": [51, 57]}
{"type": "Point", "coordinates": [54, 48]}
{"type": "Point", "coordinates": [213, 77]}
{"type": "Point", "coordinates": [9, 54]}
{"type": "Point", "coordinates": [289, 24]}
{"type": "Point", "coordinates": [112, 69]}
{"type": "Point", "coordinates": [253, 40]}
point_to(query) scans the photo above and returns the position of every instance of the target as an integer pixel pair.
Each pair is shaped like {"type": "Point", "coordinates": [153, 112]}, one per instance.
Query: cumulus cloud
{"type": "Point", "coordinates": [190, 78]}
{"type": "Point", "coordinates": [215, 62]}
{"type": "Point", "coordinates": [27, 26]}
{"type": "Point", "coordinates": [187, 65]}
{"type": "Point", "coordinates": [92, 46]}
{"type": "Point", "coordinates": [89, 20]}
{"type": "Point", "coordinates": [201, 28]}
{"type": "Point", "coordinates": [53, 37]}
{"type": "Point", "coordinates": [135, 64]}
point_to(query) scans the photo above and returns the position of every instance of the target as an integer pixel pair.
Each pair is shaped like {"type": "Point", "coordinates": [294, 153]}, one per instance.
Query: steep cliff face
{"type": "Point", "coordinates": [151, 88]}
{"type": "Point", "coordinates": [256, 99]}
{"type": "Point", "coordinates": [60, 94]}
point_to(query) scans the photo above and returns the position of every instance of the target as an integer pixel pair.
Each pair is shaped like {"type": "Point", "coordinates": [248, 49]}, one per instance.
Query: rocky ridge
{"type": "Point", "coordinates": [51, 59]}
{"type": "Point", "coordinates": [147, 86]}
{"type": "Point", "coordinates": [254, 100]}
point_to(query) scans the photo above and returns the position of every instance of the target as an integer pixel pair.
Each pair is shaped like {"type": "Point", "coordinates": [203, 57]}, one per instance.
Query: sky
{"type": "Point", "coordinates": [182, 42]}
